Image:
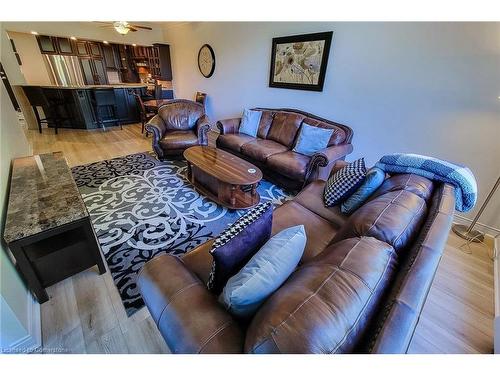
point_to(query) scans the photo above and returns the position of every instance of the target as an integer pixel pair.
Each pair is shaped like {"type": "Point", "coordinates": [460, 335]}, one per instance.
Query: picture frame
{"type": "Point", "coordinates": [299, 61]}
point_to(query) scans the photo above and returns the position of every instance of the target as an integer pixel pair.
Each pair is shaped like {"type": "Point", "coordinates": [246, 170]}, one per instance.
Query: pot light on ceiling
{"type": "Point", "coordinates": [121, 27]}
{"type": "Point", "coordinates": [34, 33]}
{"type": "Point", "coordinates": [72, 38]}
{"type": "Point", "coordinates": [105, 42]}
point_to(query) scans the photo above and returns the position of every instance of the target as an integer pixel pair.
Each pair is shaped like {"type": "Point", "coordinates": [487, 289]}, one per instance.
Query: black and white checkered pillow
{"type": "Point", "coordinates": [343, 183]}
{"type": "Point", "coordinates": [232, 231]}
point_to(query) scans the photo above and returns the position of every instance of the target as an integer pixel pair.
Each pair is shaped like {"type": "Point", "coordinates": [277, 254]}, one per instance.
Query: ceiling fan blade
{"type": "Point", "coordinates": [131, 28]}
{"type": "Point", "coordinates": [141, 27]}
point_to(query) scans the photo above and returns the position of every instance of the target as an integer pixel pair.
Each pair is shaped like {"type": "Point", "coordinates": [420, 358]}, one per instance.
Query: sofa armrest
{"type": "Point", "coordinates": [323, 161]}
{"type": "Point", "coordinates": [338, 165]}
{"type": "Point", "coordinates": [202, 128]}
{"type": "Point", "coordinates": [156, 126]}
{"type": "Point", "coordinates": [229, 126]}
{"type": "Point", "coordinates": [188, 316]}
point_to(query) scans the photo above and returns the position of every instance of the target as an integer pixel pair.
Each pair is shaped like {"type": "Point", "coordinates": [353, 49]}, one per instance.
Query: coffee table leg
{"type": "Point", "coordinates": [189, 172]}
{"type": "Point", "coordinates": [254, 189]}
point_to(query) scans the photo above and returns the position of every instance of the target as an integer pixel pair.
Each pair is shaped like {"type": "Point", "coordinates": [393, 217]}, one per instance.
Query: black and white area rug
{"type": "Point", "coordinates": [141, 207]}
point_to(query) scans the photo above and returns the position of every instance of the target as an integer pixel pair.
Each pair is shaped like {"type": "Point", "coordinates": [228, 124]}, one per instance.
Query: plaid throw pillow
{"type": "Point", "coordinates": [344, 182]}
{"type": "Point", "coordinates": [238, 243]}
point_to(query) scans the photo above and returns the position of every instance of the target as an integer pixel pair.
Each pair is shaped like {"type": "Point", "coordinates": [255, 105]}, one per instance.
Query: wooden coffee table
{"type": "Point", "coordinates": [223, 177]}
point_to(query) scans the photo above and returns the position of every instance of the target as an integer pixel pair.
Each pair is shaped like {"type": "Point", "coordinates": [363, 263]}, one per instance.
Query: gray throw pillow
{"type": "Point", "coordinates": [312, 139]}
{"type": "Point", "coordinates": [250, 122]}
{"type": "Point", "coordinates": [266, 271]}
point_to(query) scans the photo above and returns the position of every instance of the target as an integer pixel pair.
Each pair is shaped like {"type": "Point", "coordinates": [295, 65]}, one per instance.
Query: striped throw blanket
{"type": "Point", "coordinates": [459, 176]}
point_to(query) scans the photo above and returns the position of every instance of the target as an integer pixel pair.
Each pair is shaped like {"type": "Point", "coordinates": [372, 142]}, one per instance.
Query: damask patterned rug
{"type": "Point", "coordinates": [141, 207]}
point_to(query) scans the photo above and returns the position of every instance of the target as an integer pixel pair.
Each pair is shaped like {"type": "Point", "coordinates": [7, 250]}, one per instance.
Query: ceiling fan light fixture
{"type": "Point", "coordinates": [121, 27]}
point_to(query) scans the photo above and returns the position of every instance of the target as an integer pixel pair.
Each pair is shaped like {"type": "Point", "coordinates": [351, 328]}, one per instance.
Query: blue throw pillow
{"type": "Point", "coordinates": [374, 178]}
{"type": "Point", "coordinates": [312, 139]}
{"type": "Point", "coordinates": [264, 273]}
{"type": "Point", "coordinates": [250, 122]}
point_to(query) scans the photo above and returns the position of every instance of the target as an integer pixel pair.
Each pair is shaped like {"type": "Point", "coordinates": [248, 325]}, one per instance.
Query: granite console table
{"type": "Point", "coordinates": [47, 226]}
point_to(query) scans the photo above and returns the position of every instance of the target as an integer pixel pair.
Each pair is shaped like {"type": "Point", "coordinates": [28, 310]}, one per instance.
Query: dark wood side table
{"type": "Point", "coordinates": [47, 227]}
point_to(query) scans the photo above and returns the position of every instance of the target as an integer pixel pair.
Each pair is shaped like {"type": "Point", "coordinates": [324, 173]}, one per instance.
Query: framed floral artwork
{"type": "Point", "coordinates": [299, 61]}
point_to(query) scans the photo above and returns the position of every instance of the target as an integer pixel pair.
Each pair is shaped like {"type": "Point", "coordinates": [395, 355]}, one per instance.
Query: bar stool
{"type": "Point", "coordinates": [158, 91]}
{"type": "Point", "coordinates": [143, 112]}
{"type": "Point", "coordinates": [52, 107]}
{"type": "Point", "coordinates": [105, 100]}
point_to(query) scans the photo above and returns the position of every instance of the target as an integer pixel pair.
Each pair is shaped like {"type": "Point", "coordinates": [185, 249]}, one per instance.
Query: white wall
{"type": "Point", "coordinates": [16, 312]}
{"type": "Point", "coordinates": [33, 66]}
{"type": "Point", "coordinates": [429, 88]}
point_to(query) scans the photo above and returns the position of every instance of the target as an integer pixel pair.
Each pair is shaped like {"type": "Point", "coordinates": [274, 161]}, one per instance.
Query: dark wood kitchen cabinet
{"type": "Point", "coordinates": [140, 52]}
{"type": "Point", "coordinates": [94, 71]}
{"type": "Point", "coordinates": [111, 56]}
{"type": "Point", "coordinates": [79, 104]}
{"type": "Point", "coordinates": [126, 104]}
{"type": "Point", "coordinates": [81, 48]}
{"type": "Point", "coordinates": [164, 60]}
{"type": "Point", "coordinates": [65, 46]}
{"type": "Point", "coordinates": [47, 44]}
{"type": "Point", "coordinates": [88, 48]}
{"type": "Point", "coordinates": [55, 45]}
{"type": "Point", "coordinates": [95, 49]}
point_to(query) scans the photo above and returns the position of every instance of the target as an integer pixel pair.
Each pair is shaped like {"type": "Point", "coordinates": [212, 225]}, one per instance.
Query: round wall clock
{"type": "Point", "coordinates": [206, 60]}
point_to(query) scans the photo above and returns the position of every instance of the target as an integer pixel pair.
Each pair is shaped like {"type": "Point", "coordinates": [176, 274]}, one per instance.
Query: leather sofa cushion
{"type": "Point", "coordinates": [421, 186]}
{"type": "Point", "coordinates": [233, 141]}
{"type": "Point", "coordinates": [311, 197]}
{"type": "Point", "coordinates": [395, 218]}
{"type": "Point", "coordinates": [319, 231]}
{"type": "Point", "coordinates": [181, 115]}
{"type": "Point", "coordinates": [170, 291]}
{"type": "Point", "coordinates": [285, 127]}
{"type": "Point", "coordinates": [179, 139]}
{"type": "Point", "coordinates": [338, 135]}
{"type": "Point", "coordinates": [261, 149]}
{"type": "Point", "coordinates": [265, 124]}
{"type": "Point", "coordinates": [290, 164]}
{"type": "Point", "coordinates": [327, 304]}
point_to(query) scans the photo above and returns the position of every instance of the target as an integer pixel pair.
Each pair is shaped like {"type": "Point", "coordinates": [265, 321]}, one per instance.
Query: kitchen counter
{"type": "Point", "coordinates": [77, 107]}
{"type": "Point", "coordinates": [86, 87]}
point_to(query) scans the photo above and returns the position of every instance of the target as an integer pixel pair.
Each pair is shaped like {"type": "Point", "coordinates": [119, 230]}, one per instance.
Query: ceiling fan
{"type": "Point", "coordinates": [123, 27]}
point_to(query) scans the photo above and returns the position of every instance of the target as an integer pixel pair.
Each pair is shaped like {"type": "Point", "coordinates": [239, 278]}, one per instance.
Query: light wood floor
{"type": "Point", "coordinates": [85, 313]}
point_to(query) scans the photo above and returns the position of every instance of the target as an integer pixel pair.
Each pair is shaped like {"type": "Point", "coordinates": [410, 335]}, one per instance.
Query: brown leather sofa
{"type": "Point", "coordinates": [360, 287]}
{"type": "Point", "coordinates": [271, 150]}
{"type": "Point", "coordinates": [179, 124]}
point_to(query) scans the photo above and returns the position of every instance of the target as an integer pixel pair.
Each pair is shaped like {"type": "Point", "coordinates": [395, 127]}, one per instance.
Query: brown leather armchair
{"type": "Point", "coordinates": [179, 124]}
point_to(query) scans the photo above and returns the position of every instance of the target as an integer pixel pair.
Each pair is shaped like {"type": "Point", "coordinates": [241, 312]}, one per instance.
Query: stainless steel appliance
{"type": "Point", "coordinates": [64, 70]}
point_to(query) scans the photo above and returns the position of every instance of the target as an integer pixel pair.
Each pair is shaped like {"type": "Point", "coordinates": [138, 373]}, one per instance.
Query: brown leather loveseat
{"type": "Point", "coordinates": [360, 287]}
{"type": "Point", "coordinates": [272, 151]}
{"type": "Point", "coordinates": [179, 124]}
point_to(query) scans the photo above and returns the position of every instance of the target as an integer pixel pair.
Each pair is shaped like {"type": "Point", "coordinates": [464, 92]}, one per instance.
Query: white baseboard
{"type": "Point", "coordinates": [486, 229]}
{"type": "Point", "coordinates": [32, 342]}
